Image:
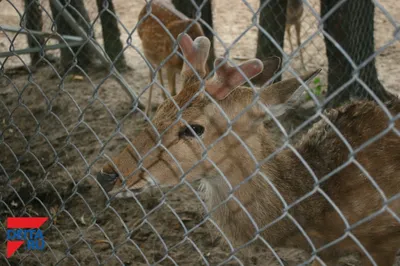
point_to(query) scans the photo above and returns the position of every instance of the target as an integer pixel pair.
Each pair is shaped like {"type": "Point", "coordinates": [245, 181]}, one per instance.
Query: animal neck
{"type": "Point", "coordinates": [257, 195]}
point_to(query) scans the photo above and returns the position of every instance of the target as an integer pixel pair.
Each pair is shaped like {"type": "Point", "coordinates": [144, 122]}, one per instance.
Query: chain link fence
{"type": "Point", "coordinates": [69, 104]}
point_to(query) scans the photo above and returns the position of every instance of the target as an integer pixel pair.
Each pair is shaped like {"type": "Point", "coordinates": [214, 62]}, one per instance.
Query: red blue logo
{"type": "Point", "coordinates": [22, 230]}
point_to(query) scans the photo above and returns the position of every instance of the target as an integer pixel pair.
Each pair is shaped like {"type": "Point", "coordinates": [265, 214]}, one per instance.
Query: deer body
{"type": "Point", "coordinates": [349, 189]}
{"type": "Point", "coordinates": [273, 185]}
{"type": "Point", "coordinates": [158, 46]}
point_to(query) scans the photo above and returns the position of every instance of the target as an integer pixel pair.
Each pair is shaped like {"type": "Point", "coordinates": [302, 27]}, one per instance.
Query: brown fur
{"type": "Point", "coordinates": [158, 44]}
{"type": "Point", "coordinates": [255, 180]}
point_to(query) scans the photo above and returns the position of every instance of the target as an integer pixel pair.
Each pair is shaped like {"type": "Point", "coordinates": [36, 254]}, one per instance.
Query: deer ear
{"type": "Point", "coordinates": [286, 94]}
{"type": "Point", "coordinates": [228, 78]}
{"type": "Point", "coordinates": [271, 66]}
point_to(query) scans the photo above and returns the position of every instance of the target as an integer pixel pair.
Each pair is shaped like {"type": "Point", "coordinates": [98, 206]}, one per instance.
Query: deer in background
{"type": "Point", "coordinates": [294, 12]}
{"type": "Point", "coordinates": [155, 34]}
{"type": "Point", "coordinates": [267, 183]}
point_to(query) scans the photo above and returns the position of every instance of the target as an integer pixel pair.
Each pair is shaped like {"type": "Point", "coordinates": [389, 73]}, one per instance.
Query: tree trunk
{"type": "Point", "coordinates": [34, 21]}
{"type": "Point", "coordinates": [71, 54]}
{"type": "Point", "coordinates": [187, 8]}
{"type": "Point", "coordinates": [273, 21]}
{"type": "Point", "coordinates": [352, 27]}
{"type": "Point", "coordinates": [111, 33]}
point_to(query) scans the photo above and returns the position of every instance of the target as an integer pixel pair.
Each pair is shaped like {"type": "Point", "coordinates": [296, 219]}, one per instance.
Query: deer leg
{"type": "Point", "coordinates": [160, 78]}
{"type": "Point", "coordinates": [289, 37]}
{"type": "Point", "coordinates": [298, 31]}
{"type": "Point", "coordinates": [148, 106]}
{"type": "Point", "coordinates": [171, 81]}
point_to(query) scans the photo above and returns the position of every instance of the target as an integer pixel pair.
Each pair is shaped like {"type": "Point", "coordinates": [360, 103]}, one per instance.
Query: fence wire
{"type": "Point", "coordinates": [76, 78]}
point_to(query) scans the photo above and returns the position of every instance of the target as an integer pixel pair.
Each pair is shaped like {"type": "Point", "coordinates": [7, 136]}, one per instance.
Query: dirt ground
{"type": "Point", "coordinates": [57, 132]}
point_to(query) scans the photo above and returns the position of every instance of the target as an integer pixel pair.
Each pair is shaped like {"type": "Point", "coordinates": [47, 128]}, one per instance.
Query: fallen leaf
{"type": "Point", "coordinates": [77, 77]}
{"type": "Point", "coordinates": [82, 219]}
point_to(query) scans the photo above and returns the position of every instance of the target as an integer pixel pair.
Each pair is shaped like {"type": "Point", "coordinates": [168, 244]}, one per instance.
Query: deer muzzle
{"type": "Point", "coordinates": [108, 179]}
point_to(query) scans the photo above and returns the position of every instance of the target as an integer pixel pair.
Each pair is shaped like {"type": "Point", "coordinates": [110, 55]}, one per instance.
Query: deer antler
{"type": "Point", "coordinates": [227, 78]}
{"type": "Point", "coordinates": [195, 53]}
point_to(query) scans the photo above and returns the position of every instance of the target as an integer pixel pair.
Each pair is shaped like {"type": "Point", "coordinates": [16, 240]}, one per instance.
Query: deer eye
{"type": "Point", "coordinates": [188, 132]}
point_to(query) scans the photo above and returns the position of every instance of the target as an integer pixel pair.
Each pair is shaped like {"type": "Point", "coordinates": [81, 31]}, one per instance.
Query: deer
{"type": "Point", "coordinates": [305, 195]}
{"type": "Point", "coordinates": [294, 12]}
{"type": "Point", "coordinates": [158, 31]}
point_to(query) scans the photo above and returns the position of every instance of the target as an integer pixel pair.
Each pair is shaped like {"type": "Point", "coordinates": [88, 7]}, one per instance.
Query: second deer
{"type": "Point", "coordinates": [158, 31]}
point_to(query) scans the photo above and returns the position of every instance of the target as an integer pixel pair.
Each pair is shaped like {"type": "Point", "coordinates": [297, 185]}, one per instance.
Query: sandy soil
{"type": "Point", "coordinates": [62, 130]}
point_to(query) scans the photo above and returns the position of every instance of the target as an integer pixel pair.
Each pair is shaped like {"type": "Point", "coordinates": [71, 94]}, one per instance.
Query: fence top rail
{"type": "Point", "coordinates": [41, 33]}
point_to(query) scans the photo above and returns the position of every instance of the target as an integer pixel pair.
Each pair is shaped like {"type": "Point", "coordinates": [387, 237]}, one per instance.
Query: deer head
{"type": "Point", "coordinates": [211, 129]}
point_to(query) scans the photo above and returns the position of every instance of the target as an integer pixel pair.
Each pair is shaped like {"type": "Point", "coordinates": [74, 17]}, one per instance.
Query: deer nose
{"type": "Point", "coordinates": [107, 180]}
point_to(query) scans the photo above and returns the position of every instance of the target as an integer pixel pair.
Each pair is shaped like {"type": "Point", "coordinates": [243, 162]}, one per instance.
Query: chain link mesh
{"type": "Point", "coordinates": [65, 112]}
